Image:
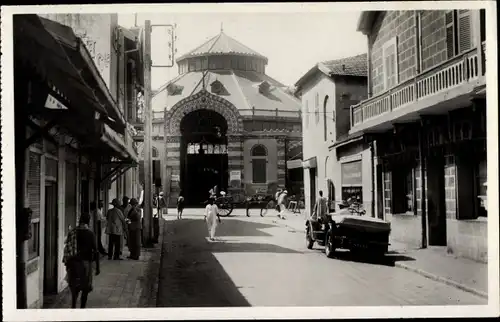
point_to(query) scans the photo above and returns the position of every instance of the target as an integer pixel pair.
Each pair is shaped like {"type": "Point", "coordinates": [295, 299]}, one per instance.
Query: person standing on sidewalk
{"type": "Point", "coordinates": [115, 228]}
{"type": "Point", "coordinates": [212, 218]}
{"type": "Point", "coordinates": [281, 204]}
{"type": "Point", "coordinates": [321, 208]}
{"type": "Point", "coordinates": [99, 219]}
{"type": "Point", "coordinates": [80, 251]}
{"type": "Point", "coordinates": [134, 228]}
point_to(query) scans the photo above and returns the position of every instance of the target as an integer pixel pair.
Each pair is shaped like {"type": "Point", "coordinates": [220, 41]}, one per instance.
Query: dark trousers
{"type": "Point", "coordinates": [114, 245]}
{"type": "Point", "coordinates": [134, 243]}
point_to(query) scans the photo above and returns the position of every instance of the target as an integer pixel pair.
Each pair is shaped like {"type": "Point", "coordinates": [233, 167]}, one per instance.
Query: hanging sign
{"type": "Point", "coordinates": [175, 177]}
{"type": "Point", "coordinates": [53, 104]}
{"type": "Point", "coordinates": [351, 173]}
{"type": "Point", "coordinates": [235, 175]}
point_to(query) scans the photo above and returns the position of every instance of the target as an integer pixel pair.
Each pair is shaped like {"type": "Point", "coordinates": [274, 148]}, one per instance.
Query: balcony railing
{"type": "Point", "coordinates": [452, 73]}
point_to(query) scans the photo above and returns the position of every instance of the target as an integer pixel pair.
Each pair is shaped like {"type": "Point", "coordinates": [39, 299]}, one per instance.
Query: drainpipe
{"type": "Point", "coordinates": [422, 183]}
{"type": "Point", "coordinates": [372, 152]}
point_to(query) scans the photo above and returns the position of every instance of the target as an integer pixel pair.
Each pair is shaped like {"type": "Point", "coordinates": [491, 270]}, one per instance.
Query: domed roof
{"type": "Point", "coordinates": [222, 44]}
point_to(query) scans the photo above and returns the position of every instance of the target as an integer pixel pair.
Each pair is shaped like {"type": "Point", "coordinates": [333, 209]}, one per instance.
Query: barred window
{"type": "Point", "coordinates": [259, 164]}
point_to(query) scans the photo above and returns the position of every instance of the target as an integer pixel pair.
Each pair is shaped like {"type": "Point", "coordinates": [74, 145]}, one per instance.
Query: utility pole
{"type": "Point", "coordinates": [148, 175]}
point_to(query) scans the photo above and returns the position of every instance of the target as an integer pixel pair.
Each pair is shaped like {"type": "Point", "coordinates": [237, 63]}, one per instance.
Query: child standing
{"type": "Point", "coordinates": [180, 206]}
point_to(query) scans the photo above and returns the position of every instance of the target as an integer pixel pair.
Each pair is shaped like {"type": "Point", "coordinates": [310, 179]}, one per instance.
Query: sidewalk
{"type": "Point", "coordinates": [122, 284]}
{"type": "Point", "coordinates": [432, 263]}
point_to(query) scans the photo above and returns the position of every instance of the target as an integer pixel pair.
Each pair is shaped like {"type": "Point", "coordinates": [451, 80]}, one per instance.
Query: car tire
{"type": "Point", "coordinates": [329, 245]}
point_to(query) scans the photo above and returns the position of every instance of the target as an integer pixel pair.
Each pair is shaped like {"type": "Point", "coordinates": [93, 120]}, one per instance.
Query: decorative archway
{"type": "Point", "coordinates": [202, 100]}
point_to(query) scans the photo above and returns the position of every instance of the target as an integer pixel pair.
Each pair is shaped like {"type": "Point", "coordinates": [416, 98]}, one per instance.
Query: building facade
{"type": "Point", "coordinates": [426, 114]}
{"type": "Point", "coordinates": [327, 91]}
{"type": "Point", "coordinates": [223, 122]}
{"type": "Point", "coordinates": [74, 139]}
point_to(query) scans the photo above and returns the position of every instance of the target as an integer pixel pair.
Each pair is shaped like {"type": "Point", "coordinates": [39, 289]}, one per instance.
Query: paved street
{"type": "Point", "coordinates": [257, 262]}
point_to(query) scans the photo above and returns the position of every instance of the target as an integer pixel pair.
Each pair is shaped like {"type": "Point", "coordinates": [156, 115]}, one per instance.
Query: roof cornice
{"type": "Point", "coordinates": [365, 21]}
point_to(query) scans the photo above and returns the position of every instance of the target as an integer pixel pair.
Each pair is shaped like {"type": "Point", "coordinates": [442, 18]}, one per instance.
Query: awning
{"type": "Point", "coordinates": [294, 164]}
{"type": "Point", "coordinates": [310, 163]}
{"type": "Point", "coordinates": [113, 140]}
{"type": "Point", "coordinates": [59, 57]}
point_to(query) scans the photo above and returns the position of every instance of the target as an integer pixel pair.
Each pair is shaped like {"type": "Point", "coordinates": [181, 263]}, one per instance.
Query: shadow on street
{"type": "Point", "coordinates": [388, 259]}
{"type": "Point", "coordinates": [191, 276]}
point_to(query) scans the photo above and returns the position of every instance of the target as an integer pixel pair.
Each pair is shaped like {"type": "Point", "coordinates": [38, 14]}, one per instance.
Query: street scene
{"type": "Point", "coordinates": [165, 164]}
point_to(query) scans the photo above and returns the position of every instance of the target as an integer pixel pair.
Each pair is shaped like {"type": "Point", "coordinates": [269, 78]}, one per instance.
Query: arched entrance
{"type": "Point", "coordinates": [203, 152]}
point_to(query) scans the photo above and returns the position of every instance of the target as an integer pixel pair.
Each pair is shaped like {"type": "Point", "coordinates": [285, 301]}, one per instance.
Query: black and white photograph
{"type": "Point", "coordinates": [249, 161]}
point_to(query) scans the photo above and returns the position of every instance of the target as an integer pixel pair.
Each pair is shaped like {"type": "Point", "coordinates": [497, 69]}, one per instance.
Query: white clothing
{"type": "Point", "coordinates": [211, 212]}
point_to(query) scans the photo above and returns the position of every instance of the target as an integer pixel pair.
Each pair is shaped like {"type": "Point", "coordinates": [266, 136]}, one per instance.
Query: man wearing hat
{"type": "Point", "coordinates": [134, 230]}
{"type": "Point", "coordinates": [115, 228]}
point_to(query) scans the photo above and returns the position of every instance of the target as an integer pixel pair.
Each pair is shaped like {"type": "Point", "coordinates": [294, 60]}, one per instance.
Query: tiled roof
{"type": "Point", "coordinates": [222, 44]}
{"type": "Point", "coordinates": [241, 88]}
{"type": "Point", "coordinates": [349, 66]}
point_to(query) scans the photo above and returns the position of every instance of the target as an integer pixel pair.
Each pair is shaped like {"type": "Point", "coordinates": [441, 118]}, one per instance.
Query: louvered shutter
{"type": "Point", "coordinates": [464, 30]}
{"type": "Point", "coordinates": [390, 63]}
{"type": "Point", "coordinates": [34, 184]}
{"type": "Point", "coordinates": [70, 197]}
{"type": "Point", "coordinates": [450, 34]}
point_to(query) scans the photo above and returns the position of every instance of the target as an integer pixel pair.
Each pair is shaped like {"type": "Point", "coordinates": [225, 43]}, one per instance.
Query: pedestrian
{"type": "Point", "coordinates": [115, 228]}
{"type": "Point", "coordinates": [180, 206]}
{"type": "Point", "coordinates": [321, 208]}
{"type": "Point", "coordinates": [125, 214]}
{"type": "Point", "coordinates": [134, 230]}
{"type": "Point", "coordinates": [80, 251]}
{"type": "Point", "coordinates": [123, 208]}
{"type": "Point", "coordinates": [212, 218]}
{"type": "Point", "coordinates": [281, 204]}
{"type": "Point", "coordinates": [99, 219]}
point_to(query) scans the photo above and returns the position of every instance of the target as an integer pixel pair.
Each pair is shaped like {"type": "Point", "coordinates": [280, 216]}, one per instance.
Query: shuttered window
{"type": "Point", "coordinates": [459, 32]}
{"type": "Point", "coordinates": [464, 30]}
{"type": "Point", "coordinates": [390, 54]}
{"type": "Point", "coordinates": [34, 184]}
{"type": "Point", "coordinates": [316, 108]}
{"type": "Point", "coordinates": [306, 114]}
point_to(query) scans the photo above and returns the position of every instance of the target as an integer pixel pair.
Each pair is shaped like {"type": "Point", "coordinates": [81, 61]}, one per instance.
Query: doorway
{"type": "Point", "coordinates": [436, 206]}
{"type": "Point", "coordinates": [402, 189]}
{"type": "Point", "coordinates": [50, 260]}
{"type": "Point", "coordinates": [204, 156]}
{"type": "Point", "coordinates": [312, 182]}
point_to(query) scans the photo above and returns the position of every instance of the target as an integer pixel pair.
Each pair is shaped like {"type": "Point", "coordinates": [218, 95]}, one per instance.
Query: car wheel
{"type": "Point", "coordinates": [329, 246]}
{"type": "Point", "coordinates": [309, 240]}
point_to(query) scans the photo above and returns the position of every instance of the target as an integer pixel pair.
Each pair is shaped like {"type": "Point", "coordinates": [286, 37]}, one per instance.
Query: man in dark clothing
{"type": "Point", "coordinates": [134, 227]}
{"type": "Point", "coordinates": [80, 251]}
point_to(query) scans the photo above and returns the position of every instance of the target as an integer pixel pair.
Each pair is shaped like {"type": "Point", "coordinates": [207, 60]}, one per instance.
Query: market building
{"type": "Point", "coordinates": [426, 116]}
{"type": "Point", "coordinates": [224, 122]}
{"type": "Point", "coordinates": [72, 134]}
{"type": "Point", "coordinates": [334, 162]}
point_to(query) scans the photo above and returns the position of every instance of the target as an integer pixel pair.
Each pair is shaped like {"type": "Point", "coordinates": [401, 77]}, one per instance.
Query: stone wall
{"type": "Point", "coordinates": [433, 33]}
{"type": "Point", "coordinates": [468, 238]}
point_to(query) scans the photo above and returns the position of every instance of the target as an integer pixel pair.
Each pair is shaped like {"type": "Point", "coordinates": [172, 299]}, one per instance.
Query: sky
{"type": "Point", "coordinates": [293, 42]}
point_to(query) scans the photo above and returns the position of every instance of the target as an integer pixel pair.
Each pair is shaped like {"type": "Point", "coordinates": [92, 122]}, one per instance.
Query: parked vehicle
{"type": "Point", "coordinates": [351, 229]}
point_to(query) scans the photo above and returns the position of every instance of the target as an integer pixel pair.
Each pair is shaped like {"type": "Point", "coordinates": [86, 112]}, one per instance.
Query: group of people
{"type": "Point", "coordinates": [83, 245]}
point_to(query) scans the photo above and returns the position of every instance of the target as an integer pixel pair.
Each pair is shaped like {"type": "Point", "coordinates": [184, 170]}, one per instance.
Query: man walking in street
{"type": "Point", "coordinates": [115, 228]}
{"type": "Point", "coordinates": [134, 228]}
{"type": "Point", "coordinates": [281, 204]}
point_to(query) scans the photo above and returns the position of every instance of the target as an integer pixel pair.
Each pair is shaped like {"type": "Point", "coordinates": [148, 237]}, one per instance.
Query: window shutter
{"type": "Point", "coordinates": [390, 64]}
{"type": "Point", "coordinates": [450, 41]}
{"type": "Point", "coordinates": [34, 183]}
{"type": "Point", "coordinates": [464, 30]}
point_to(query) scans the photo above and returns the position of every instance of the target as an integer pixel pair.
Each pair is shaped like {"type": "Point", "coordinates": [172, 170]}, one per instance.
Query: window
{"type": "Point", "coordinates": [154, 152]}
{"type": "Point", "coordinates": [316, 108]}
{"type": "Point", "coordinates": [331, 195]}
{"type": "Point", "coordinates": [325, 114]}
{"type": "Point", "coordinates": [259, 164]}
{"type": "Point", "coordinates": [192, 65]}
{"type": "Point", "coordinates": [458, 32]}
{"type": "Point", "coordinates": [390, 56]}
{"type": "Point", "coordinates": [34, 241]}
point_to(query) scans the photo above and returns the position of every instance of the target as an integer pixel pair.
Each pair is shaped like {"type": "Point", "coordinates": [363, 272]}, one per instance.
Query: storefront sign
{"type": "Point", "coordinates": [309, 163]}
{"type": "Point", "coordinates": [293, 164]}
{"type": "Point", "coordinates": [351, 173]}
{"type": "Point", "coordinates": [235, 176]}
{"type": "Point", "coordinates": [175, 177]}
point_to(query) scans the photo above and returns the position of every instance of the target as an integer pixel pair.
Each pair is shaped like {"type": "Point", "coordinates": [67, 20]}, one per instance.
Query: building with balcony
{"type": "Point", "coordinates": [327, 91]}
{"type": "Point", "coordinates": [426, 116]}
{"type": "Point", "coordinates": [73, 137]}
{"type": "Point", "coordinates": [222, 121]}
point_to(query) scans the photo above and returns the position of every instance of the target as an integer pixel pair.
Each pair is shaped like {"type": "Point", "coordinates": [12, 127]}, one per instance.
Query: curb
{"type": "Point", "coordinates": [444, 280]}
{"type": "Point", "coordinates": [153, 302]}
